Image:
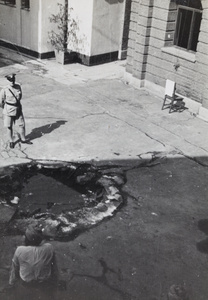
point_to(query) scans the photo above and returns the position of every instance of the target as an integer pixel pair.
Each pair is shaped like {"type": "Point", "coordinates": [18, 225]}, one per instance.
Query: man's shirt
{"type": "Point", "coordinates": [10, 96]}
{"type": "Point", "coordinates": [32, 263]}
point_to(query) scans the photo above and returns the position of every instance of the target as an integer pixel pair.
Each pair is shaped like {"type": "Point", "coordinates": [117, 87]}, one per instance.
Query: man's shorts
{"type": "Point", "coordinates": [9, 121]}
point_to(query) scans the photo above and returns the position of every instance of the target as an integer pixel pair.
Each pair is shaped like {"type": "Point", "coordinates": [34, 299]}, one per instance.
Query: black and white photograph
{"type": "Point", "coordinates": [103, 149]}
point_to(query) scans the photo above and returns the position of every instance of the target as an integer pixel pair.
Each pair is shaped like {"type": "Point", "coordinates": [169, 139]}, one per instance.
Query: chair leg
{"type": "Point", "coordinates": [171, 105]}
{"type": "Point", "coordinates": [164, 102]}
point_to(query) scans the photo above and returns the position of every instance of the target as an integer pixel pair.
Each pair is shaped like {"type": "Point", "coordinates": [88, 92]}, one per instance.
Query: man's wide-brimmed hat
{"type": "Point", "coordinates": [34, 234]}
{"type": "Point", "coordinates": [10, 77]}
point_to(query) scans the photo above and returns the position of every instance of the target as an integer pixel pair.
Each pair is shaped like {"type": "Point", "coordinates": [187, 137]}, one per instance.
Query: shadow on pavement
{"type": "Point", "coordinates": [46, 129]}
{"type": "Point", "coordinates": [202, 246]}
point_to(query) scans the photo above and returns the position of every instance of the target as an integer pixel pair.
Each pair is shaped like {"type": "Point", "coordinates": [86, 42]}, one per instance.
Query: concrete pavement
{"type": "Point", "coordinates": [79, 113]}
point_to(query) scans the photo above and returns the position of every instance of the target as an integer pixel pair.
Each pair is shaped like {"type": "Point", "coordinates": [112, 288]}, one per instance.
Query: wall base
{"type": "Point", "coordinates": [27, 51]}
{"type": "Point", "coordinates": [80, 58]}
{"type": "Point", "coordinates": [97, 59]}
{"type": "Point", "coordinates": [194, 107]}
{"type": "Point", "coordinates": [203, 113]}
{"type": "Point", "coordinates": [122, 54]}
{"type": "Point", "coordinates": [137, 83]}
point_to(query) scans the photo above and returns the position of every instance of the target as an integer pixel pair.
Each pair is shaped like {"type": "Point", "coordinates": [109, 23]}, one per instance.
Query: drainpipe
{"type": "Point", "coordinates": [120, 51]}
{"type": "Point", "coordinates": [40, 27]}
{"type": "Point", "coordinates": [66, 5]}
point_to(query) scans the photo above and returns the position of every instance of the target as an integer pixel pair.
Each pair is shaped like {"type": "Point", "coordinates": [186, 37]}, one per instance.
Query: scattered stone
{"type": "Point", "coordinates": [146, 156]}
{"type": "Point", "coordinates": [6, 213]}
{"type": "Point", "coordinates": [100, 199]}
{"type": "Point", "coordinates": [84, 179]}
{"type": "Point", "coordinates": [113, 190]}
{"type": "Point", "coordinates": [102, 207]}
{"type": "Point", "coordinates": [63, 220]}
{"type": "Point", "coordinates": [66, 230]}
{"type": "Point", "coordinates": [15, 200]}
{"type": "Point", "coordinates": [116, 197]}
{"type": "Point", "coordinates": [42, 215]}
{"type": "Point", "coordinates": [2, 200]}
{"type": "Point", "coordinates": [118, 180]}
{"type": "Point", "coordinates": [105, 181]}
{"type": "Point", "coordinates": [154, 214]}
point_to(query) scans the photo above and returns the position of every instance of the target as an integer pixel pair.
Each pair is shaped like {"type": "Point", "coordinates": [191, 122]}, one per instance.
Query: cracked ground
{"type": "Point", "coordinates": [158, 236]}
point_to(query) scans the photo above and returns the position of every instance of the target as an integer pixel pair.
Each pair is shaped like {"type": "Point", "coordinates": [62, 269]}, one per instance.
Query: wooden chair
{"type": "Point", "coordinates": [172, 100]}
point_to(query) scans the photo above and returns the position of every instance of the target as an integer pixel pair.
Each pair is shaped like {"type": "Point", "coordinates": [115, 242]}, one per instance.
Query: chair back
{"type": "Point", "coordinates": [170, 88]}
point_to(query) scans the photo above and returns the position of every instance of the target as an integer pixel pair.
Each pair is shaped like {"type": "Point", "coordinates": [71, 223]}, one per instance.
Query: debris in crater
{"type": "Point", "coordinates": [62, 198]}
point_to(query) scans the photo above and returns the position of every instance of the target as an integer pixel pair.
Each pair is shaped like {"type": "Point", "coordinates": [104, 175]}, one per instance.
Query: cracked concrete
{"type": "Point", "coordinates": [79, 114]}
{"type": "Point", "coordinates": [101, 115]}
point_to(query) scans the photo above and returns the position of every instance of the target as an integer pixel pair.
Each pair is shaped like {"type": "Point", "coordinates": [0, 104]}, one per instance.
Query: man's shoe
{"type": "Point", "coordinates": [11, 145]}
{"type": "Point", "coordinates": [26, 142]}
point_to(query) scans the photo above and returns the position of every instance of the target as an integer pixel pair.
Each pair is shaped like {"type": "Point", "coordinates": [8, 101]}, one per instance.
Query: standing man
{"type": "Point", "coordinates": [10, 97]}
{"type": "Point", "coordinates": [33, 267]}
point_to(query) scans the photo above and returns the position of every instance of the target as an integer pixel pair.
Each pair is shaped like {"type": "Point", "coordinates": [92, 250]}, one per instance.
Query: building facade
{"type": "Point", "coordinates": [168, 39]}
{"type": "Point", "coordinates": [24, 25]}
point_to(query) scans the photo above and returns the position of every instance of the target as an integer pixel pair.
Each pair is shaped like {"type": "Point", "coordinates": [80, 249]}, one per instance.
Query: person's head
{"type": "Point", "coordinates": [11, 78]}
{"type": "Point", "coordinates": [33, 236]}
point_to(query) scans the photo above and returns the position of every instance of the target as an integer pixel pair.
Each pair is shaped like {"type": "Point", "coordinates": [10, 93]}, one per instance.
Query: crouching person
{"type": "Point", "coordinates": [33, 268]}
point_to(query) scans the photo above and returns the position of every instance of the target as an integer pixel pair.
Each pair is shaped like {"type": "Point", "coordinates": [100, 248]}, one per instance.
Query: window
{"type": "Point", "coordinates": [25, 4]}
{"type": "Point", "coordinates": [188, 24]}
{"type": "Point", "coordinates": [9, 2]}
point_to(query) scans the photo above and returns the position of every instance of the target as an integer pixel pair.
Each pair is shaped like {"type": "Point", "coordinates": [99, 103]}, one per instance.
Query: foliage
{"type": "Point", "coordinates": [66, 28]}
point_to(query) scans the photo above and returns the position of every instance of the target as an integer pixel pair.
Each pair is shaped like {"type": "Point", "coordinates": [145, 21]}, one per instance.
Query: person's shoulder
{"type": "Point", "coordinates": [48, 247]}
{"type": "Point", "coordinates": [17, 85]}
{"type": "Point", "coordinates": [20, 249]}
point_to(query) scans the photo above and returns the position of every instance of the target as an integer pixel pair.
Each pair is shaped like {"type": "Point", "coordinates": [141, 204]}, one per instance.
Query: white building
{"type": "Point", "coordinates": [24, 24]}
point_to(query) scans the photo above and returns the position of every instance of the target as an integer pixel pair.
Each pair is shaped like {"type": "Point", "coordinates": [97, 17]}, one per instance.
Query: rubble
{"type": "Point", "coordinates": [100, 192]}
{"type": "Point", "coordinates": [6, 213]}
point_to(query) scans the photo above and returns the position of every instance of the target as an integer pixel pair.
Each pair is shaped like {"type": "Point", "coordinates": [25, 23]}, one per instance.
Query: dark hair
{"type": "Point", "coordinates": [33, 235]}
{"type": "Point", "coordinates": [35, 242]}
{"type": "Point", "coordinates": [11, 77]}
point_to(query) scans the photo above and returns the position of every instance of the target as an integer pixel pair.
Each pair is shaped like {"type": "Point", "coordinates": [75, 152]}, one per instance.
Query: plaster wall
{"type": "Point", "coordinates": [22, 30]}
{"type": "Point", "coordinates": [10, 31]}
{"type": "Point", "coordinates": [43, 26]}
{"type": "Point", "coordinates": [99, 25]}
{"type": "Point", "coordinates": [108, 18]}
{"type": "Point", "coordinates": [28, 26]}
{"type": "Point", "coordinates": [83, 14]}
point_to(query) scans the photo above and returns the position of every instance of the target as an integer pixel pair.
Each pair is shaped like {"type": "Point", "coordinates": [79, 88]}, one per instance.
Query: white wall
{"type": "Point", "coordinates": [46, 9]}
{"type": "Point", "coordinates": [19, 26]}
{"type": "Point", "coordinates": [28, 26]}
{"type": "Point", "coordinates": [10, 23]}
{"type": "Point", "coordinates": [107, 26]}
{"type": "Point", "coordinates": [99, 25]}
{"type": "Point", "coordinates": [83, 14]}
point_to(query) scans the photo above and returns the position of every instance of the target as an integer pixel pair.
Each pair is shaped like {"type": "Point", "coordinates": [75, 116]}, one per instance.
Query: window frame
{"type": "Point", "coordinates": [191, 29]}
{"type": "Point", "coordinates": [25, 4]}
{"type": "Point", "coordinates": [8, 2]}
